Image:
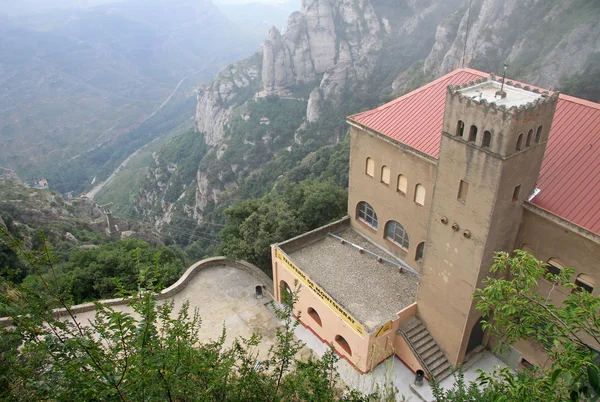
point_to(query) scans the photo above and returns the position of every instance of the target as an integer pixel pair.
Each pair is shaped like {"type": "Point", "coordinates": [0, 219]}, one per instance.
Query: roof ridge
{"type": "Point", "coordinates": [584, 102]}
{"type": "Point", "coordinates": [420, 89]}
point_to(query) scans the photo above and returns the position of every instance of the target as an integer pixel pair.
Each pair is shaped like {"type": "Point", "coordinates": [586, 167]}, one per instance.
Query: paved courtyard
{"type": "Point", "coordinates": [224, 296]}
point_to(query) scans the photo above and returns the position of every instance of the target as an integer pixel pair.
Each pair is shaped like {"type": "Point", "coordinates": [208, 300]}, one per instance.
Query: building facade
{"type": "Point", "coordinates": [440, 180]}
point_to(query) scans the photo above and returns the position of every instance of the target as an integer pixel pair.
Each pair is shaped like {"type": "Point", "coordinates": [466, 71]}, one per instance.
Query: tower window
{"type": "Point", "coordinates": [341, 341]}
{"type": "Point", "coordinates": [370, 167]}
{"type": "Point", "coordinates": [584, 282]}
{"type": "Point", "coordinates": [385, 175]}
{"type": "Point", "coordinates": [366, 214]}
{"type": "Point", "coordinates": [473, 134]}
{"type": "Point", "coordinates": [315, 316]}
{"type": "Point", "coordinates": [420, 194]}
{"type": "Point", "coordinates": [554, 266]}
{"type": "Point", "coordinates": [520, 142]}
{"type": "Point", "coordinates": [402, 184]}
{"type": "Point", "coordinates": [538, 135]}
{"type": "Point", "coordinates": [463, 190]}
{"type": "Point", "coordinates": [460, 128]}
{"type": "Point", "coordinates": [420, 250]}
{"type": "Point", "coordinates": [529, 137]}
{"type": "Point", "coordinates": [487, 139]}
{"type": "Point", "coordinates": [396, 233]}
{"type": "Point", "coordinates": [516, 193]}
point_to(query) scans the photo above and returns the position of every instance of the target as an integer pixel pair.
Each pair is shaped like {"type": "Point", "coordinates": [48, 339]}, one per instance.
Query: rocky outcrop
{"type": "Point", "coordinates": [529, 34]}
{"type": "Point", "coordinates": [31, 210]}
{"type": "Point", "coordinates": [217, 100]}
{"type": "Point", "coordinates": [336, 39]}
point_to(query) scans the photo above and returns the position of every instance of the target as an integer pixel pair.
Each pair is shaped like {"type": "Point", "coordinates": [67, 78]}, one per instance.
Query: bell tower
{"type": "Point", "coordinates": [494, 137]}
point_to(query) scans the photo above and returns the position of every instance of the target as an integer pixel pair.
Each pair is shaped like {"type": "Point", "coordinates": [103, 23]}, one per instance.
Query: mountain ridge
{"type": "Point", "coordinates": [347, 72]}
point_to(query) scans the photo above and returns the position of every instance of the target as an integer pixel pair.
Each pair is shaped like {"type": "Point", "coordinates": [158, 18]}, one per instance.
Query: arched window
{"type": "Point", "coordinates": [385, 175]}
{"type": "Point", "coordinates": [402, 184]}
{"type": "Point", "coordinates": [538, 135]}
{"type": "Point", "coordinates": [366, 214]}
{"type": "Point", "coordinates": [487, 139]}
{"type": "Point", "coordinates": [395, 232]}
{"type": "Point", "coordinates": [554, 266]}
{"type": "Point", "coordinates": [315, 316]}
{"type": "Point", "coordinates": [529, 138]}
{"type": "Point", "coordinates": [520, 142]}
{"type": "Point", "coordinates": [460, 128]}
{"type": "Point", "coordinates": [341, 341]}
{"type": "Point", "coordinates": [420, 250]}
{"type": "Point", "coordinates": [370, 167]}
{"type": "Point", "coordinates": [584, 282]}
{"type": "Point", "coordinates": [473, 134]}
{"type": "Point", "coordinates": [420, 194]}
{"type": "Point", "coordinates": [285, 291]}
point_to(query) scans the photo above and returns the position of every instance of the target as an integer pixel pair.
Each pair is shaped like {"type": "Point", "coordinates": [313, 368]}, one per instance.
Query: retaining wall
{"type": "Point", "coordinates": [175, 288]}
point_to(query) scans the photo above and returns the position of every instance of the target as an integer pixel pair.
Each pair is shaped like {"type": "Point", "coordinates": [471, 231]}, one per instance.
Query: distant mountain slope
{"type": "Point", "coordinates": [338, 57]}
{"type": "Point", "coordinates": [73, 79]}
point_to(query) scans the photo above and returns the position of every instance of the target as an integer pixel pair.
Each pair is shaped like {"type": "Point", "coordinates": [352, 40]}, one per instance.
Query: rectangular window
{"type": "Point", "coordinates": [516, 193]}
{"type": "Point", "coordinates": [385, 175]}
{"type": "Point", "coordinates": [463, 190]}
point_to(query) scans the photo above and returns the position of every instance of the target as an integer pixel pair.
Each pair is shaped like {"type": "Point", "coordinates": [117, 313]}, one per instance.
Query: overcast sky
{"type": "Point", "coordinates": [16, 7]}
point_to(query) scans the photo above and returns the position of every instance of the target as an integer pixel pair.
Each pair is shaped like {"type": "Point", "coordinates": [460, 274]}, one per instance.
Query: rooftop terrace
{"type": "Point", "coordinates": [489, 90]}
{"type": "Point", "coordinates": [373, 292]}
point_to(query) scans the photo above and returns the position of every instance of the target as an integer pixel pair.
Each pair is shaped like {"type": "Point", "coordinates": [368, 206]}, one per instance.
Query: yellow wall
{"type": "Point", "coordinates": [332, 323]}
{"type": "Point", "coordinates": [387, 202]}
{"type": "Point", "coordinates": [368, 349]}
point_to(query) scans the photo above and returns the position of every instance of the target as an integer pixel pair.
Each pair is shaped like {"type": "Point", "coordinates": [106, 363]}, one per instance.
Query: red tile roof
{"type": "Point", "coordinates": [570, 176]}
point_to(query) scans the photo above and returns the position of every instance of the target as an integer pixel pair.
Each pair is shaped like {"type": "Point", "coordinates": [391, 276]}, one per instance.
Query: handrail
{"type": "Point", "coordinates": [397, 264]}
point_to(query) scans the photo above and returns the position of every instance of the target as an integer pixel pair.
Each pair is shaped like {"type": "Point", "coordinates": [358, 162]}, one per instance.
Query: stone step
{"type": "Point", "coordinates": [424, 343]}
{"type": "Point", "coordinates": [432, 349]}
{"type": "Point", "coordinates": [418, 332]}
{"type": "Point", "coordinates": [421, 336]}
{"type": "Point", "coordinates": [426, 349]}
{"type": "Point", "coordinates": [442, 372]}
{"type": "Point", "coordinates": [439, 366]}
{"type": "Point", "coordinates": [416, 329]}
{"type": "Point", "coordinates": [434, 358]}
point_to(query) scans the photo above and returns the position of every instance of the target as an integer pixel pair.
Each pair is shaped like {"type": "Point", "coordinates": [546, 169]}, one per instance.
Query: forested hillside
{"type": "Point", "coordinates": [336, 58]}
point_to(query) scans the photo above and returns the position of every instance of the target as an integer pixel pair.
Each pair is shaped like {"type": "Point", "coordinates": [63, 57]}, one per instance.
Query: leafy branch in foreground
{"type": "Point", "coordinates": [515, 308]}
{"type": "Point", "coordinates": [153, 353]}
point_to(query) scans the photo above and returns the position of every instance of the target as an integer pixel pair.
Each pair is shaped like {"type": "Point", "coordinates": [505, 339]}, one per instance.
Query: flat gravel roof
{"type": "Point", "coordinates": [372, 292]}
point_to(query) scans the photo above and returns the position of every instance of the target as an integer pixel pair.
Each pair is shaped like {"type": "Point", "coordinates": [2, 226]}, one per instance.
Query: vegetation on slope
{"type": "Point", "coordinates": [253, 225]}
{"type": "Point", "coordinates": [77, 174]}
{"type": "Point", "coordinates": [154, 354]}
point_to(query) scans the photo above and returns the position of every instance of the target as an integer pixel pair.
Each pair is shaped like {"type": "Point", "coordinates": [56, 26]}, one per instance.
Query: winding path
{"type": "Point", "coordinates": [96, 189]}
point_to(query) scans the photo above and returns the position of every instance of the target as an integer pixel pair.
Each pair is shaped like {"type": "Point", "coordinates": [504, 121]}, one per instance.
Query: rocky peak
{"type": "Point", "coordinates": [217, 100]}
{"type": "Point", "coordinates": [330, 37]}
{"type": "Point", "coordinates": [527, 34]}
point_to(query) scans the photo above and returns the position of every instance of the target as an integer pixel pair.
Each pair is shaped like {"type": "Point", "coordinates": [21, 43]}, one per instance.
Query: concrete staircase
{"type": "Point", "coordinates": [425, 348]}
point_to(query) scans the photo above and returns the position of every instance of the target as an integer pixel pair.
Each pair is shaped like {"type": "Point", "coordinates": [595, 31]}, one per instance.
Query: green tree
{"type": "Point", "coordinates": [153, 354]}
{"type": "Point", "coordinates": [253, 225]}
{"type": "Point", "coordinates": [569, 332]}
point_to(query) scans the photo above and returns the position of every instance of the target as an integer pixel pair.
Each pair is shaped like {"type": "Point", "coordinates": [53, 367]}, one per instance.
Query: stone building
{"type": "Point", "coordinates": [440, 179]}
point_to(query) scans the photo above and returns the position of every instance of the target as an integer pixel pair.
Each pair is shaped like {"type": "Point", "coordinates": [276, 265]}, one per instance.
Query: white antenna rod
{"type": "Point", "coordinates": [462, 64]}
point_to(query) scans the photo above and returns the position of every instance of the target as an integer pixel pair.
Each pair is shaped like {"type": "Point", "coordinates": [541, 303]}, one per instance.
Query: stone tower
{"type": "Point", "coordinates": [493, 142]}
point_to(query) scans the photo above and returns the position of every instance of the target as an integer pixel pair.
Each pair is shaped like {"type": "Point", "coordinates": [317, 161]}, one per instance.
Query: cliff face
{"type": "Point", "coordinates": [217, 100]}
{"type": "Point", "coordinates": [337, 38]}
{"type": "Point", "coordinates": [542, 42]}
{"type": "Point", "coordinates": [337, 57]}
